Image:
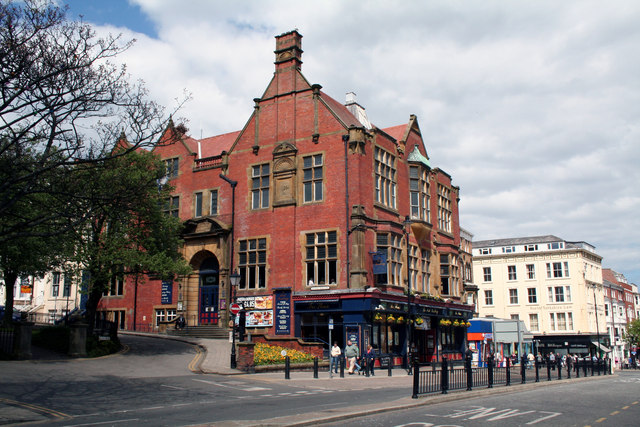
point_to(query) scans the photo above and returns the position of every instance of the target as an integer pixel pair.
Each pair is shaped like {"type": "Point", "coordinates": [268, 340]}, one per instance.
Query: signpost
{"type": "Point", "coordinates": [234, 308]}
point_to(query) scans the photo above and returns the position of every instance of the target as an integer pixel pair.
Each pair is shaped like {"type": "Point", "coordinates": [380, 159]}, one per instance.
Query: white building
{"type": "Point", "coordinates": [553, 285]}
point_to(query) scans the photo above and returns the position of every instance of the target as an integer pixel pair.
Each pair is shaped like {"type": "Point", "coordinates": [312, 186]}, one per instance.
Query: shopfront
{"type": "Point", "coordinates": [392, 324]}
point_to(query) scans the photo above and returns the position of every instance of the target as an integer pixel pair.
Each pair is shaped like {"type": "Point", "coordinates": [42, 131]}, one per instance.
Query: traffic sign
{"type": "Point", "coordinates": [234, 308]}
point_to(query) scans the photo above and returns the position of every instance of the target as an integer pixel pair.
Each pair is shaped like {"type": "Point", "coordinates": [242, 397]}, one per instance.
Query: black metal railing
{"type": "Point", "coordinates": [445, 376]}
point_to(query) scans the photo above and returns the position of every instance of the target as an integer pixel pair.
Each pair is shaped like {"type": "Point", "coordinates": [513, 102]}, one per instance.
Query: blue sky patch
{"type": "Point", "coordinates": [119, 13]}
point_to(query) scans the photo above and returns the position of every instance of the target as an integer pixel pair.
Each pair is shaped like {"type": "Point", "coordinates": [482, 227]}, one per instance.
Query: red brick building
{"type": "Point", "coordinates": [312, 206]}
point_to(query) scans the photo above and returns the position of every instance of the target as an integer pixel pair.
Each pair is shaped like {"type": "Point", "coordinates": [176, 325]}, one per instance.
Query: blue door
{"type": "Point", "coordinates": [209, 305]}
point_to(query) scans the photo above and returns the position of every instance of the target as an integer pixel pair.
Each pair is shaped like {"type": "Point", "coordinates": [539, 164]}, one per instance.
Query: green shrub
{"type": "Point", "coordinates": [97, 348]}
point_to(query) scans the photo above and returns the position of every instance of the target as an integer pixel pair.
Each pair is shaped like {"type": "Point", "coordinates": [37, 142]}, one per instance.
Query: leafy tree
{"type": "Point", "coordinates": [127, 232]}
{"type": "Point", "coordinates": [63, 104]}
{"type": "Point", "coordinates": [632, 333]}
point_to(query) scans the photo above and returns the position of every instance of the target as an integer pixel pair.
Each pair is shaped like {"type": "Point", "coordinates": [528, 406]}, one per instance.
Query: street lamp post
{"type": "Point", "coordinates": [234, 280]}
{"type": "Point", "coordinates": [595, 304]}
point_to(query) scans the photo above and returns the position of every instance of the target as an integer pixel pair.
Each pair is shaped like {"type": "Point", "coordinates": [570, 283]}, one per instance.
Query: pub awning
{"type": "Point", "coordinates": [601, 347]}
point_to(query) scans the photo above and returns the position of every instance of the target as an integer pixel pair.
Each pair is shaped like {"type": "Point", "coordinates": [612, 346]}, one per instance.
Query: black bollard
{"type": "Point", "coordinates": [315, 367]}
{"type": "Point", "coordinates": [416, 380]}
{"type": "Point", "coordinates": [341, 366]}
{"type": "Point", "coordinates": [444, 376]}
{"type": "Point", "coordinates": [389, 366]}
{"type": "Point", "coordinates": [467, 366]}
{"type": "Point", "coordinates": [536, 363]}
{"type": "Point", "coordinates": [559, 362]}
{"type": "Point", "coordinates": [287, 363]}
{"type": "Point", "coordinates": [490, 370]}
{"type": "Point", "coordinates": [548, 369]}
{"type": "Point", "coordinates": [508, 371]}
{"type": "Point", "coordinates": [523, 367]}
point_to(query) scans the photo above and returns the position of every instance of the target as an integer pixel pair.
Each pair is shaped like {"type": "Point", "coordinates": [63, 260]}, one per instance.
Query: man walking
{"type": "Point", "coordinates": [351, 352]}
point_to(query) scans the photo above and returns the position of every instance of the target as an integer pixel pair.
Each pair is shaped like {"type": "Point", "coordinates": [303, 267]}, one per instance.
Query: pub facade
{"type": "Point", "coordinates": [335, 228]}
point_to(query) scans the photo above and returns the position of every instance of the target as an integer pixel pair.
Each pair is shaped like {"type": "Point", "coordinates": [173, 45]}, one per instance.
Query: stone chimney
{"type": "Point", "coordinates": [288, 51]}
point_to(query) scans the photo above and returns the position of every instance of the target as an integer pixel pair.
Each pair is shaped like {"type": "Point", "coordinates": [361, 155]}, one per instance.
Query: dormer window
{"type": "Point", "coordinates": [530, 248]}
{"type": "Point", "coordinates": [508, 249]}
{"type": "Point", "coordinates": [555, 245]}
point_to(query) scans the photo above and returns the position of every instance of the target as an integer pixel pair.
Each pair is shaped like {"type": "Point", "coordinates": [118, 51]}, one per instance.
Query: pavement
{"type": "Point", "coordinates": [213, 357]}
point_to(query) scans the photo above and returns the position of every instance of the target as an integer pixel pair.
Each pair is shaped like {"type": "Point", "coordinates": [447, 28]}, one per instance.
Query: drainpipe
{"type": "Point", "coordinates": [345, 139]}
{"type": "Point", "coordinates": [233, 185]}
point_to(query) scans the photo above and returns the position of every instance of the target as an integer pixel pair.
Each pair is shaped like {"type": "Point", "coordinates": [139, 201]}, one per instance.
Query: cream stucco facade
{"type": "Point", "coordinates": [554, 286]}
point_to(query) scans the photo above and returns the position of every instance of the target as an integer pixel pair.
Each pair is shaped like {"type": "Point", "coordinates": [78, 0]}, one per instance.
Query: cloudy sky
{"type": "Point", "coordinates": [533, 107]}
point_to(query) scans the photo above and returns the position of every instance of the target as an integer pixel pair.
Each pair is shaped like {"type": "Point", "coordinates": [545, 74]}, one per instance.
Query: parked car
{"type": "Point", "coordinates": [15, 317]}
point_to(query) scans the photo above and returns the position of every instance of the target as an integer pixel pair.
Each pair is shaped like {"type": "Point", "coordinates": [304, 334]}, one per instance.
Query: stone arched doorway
{"type": "Point", "coordinates": [209, 291]}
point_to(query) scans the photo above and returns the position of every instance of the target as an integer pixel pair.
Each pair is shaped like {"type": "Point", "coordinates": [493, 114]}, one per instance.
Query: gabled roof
{"type": "Point", "coordinates": [215, 145]}
{"type": "Point", "coordinates": [340, 111]}
{"type": "Point", "coordinates": [396, 132]}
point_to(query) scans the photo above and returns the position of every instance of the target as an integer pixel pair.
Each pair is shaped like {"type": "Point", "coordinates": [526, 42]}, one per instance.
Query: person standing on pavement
{"type": "Point", "coordinates": [370, 356]}
{"type": "Point", "coordinates": [351, 352]}
{"type": "Point", "coordinates": [335, 357]}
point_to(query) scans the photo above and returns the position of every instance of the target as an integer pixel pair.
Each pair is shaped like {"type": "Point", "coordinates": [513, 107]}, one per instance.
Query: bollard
{"type": "Point", "coordinates": [444, 376]}
{"type": "Point", "coordinates": [315, 367]}
{"type": "Point", "coordinates": [523, 367]}
{"type": "Point", "coordinates": [389, 366]}
{"type": "Point", "coordinates": [467, 365]}
{"type": "Point", "coordinates": [537, 366]}
{"type": "Point", "coordinates": [559, 362]}
{"type": "Point", "coordinates": [416, 380]}
{"type": "Point", "coordinates": [287, 363]}
{"type": "Point", "coordinates": [569, 359]}
{"type": "Point", "coordinates": [490, 370]}
{"type": "Point", "coordinates": [577, 367]}
{"type": "Point", "coordinates": [592, 368]}
{"type": "Point", "coordinates": [341, 366]}
{"type": "Point", "coordinates": [548, 369]}
{"type": "Point", "coordinates": [508, 364]}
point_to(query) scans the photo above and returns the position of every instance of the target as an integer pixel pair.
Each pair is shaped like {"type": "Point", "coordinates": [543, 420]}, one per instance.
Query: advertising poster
{"type": "Point", "coordinates": [259, 311]}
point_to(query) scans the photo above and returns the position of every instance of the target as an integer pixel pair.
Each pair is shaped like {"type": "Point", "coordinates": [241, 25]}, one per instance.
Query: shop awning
{"type": "Point", "coordinates": [601, 347]}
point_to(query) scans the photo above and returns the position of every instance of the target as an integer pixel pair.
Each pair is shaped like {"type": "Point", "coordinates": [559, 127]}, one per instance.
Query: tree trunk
{"type": "Point", "coordinates": [95, 295]}
{"type": "Point", "coordinates": [10, 279]}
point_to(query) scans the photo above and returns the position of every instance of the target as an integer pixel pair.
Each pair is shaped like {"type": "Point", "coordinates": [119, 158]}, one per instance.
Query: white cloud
{"type": "Point", "coordinates": [531, 106]}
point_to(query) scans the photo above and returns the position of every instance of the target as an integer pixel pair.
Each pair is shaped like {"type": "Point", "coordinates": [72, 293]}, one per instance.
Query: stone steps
{"type": "Point", "coordinates": [202, 331]}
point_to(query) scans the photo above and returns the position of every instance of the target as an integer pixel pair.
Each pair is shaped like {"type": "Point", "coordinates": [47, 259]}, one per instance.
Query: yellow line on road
{"type": "Point", "coordinates": [194, 365]}
{"type": "Point", "coordinates": [615, 413]}
{"type": "Point", "coordinates": [626, 407]}
{"type": "Point", "coordinates": [36, 408]}
{"type": "Point", "coordinates": [600, 420]}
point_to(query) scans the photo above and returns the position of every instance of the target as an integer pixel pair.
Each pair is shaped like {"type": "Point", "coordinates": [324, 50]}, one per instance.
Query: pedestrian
{"type": "Point", "coordinates": [335, 357]}
{"type": "Point", "coordinates": [370, 357]}
{"type": "Point", "coordinates": [552, 360]}
{"type": "Point", "coordinates": [351, 352]}
{"type": "Point", "coordinates": [180, 323]}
